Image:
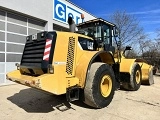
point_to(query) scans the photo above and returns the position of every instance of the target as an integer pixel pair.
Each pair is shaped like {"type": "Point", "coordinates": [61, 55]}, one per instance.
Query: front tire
{"type": "Point", "coordinates": [135, 78]}
{"type": "Point", "coordinates": [100, 85]}
{"type": "Point", "coordinates": [150, 79]}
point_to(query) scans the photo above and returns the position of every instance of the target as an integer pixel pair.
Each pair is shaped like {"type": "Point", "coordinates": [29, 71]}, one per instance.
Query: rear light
{"type": "Point", "coordinates": [27, 38]}
{"type": "Point", "coordinates": [18, 66]}
{"type": "Point", "coordinates": [50, 69]}
{"type": "Point", "coordinates": [42, 35]}
{"type": "Point", "coordinates": [7, 77]}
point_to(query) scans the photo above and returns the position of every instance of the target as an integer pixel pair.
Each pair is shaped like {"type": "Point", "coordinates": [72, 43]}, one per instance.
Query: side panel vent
{"type": "Point", "coordinates": [70, 55]}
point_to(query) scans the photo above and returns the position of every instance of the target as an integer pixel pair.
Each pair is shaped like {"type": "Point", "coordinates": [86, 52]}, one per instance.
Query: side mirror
{"type": "Point", "coordinates": [128, 48]}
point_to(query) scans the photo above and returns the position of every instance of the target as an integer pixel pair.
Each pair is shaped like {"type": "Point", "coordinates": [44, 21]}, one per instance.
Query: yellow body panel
{"type": "Point", "coordinates": [82, 66]}
{"type": "Point", "coordinates": [145, 68]}
{"type": "Point", "coordinates": [85, 61]}
{"type": "Point", "coordinates": [126, 65]}
{"type": "Point", "coordinates": [59, 81]}
{"type": "Point", "coordinates": [53, 83]}
{"type": "Point", "coordinates": [70, 65]}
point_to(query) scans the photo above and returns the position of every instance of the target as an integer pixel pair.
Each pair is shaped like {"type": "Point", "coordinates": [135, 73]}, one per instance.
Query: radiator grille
{"type": "Point", "coordinates": [38, 53]}
{"type": "Point", "coordinates": [33, 53]}
{"type": "Point", "coordinates": [70, 56]}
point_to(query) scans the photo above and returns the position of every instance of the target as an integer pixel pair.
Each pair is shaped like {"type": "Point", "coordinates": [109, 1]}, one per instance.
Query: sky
{"type": "Point", "coordinates": [147, 12]}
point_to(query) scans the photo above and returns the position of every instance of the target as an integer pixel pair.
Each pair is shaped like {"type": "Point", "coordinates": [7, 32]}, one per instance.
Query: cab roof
{"type": "Point", "coordinates": [97, 20]}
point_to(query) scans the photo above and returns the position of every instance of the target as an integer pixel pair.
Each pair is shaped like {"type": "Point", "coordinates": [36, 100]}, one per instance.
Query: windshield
{"type": "Point", "coordinates": [94, 32]}
{"type": "Point", "coordinates": [102, 33]}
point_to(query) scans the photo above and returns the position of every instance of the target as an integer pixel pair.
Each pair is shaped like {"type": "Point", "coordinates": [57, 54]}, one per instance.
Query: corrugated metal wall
{"type": "Point", "coordinates": [13, 31]}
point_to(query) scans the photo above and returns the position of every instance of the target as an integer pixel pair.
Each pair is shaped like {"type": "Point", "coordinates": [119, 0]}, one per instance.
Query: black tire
{"type": "Point", "coordinates": [135, 78]}
{"type": "Point", "coordinates": [150, 80]}
{"type": "Point", "coordinates": [93, 93]}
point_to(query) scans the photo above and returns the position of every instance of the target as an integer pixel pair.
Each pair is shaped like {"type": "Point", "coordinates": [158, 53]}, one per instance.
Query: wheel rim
{"type": "Point", "coordinates": [138, 77]}
{"type": "Point", "coordinates": [106, 86]}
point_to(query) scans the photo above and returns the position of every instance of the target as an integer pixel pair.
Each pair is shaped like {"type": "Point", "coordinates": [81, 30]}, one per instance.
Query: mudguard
{"type": "Point", "coordinates": [126, 66]}
{"type": "Point", "coordinates": [87, 59]}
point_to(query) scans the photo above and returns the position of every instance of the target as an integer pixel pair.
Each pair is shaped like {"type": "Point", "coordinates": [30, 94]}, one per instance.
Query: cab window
{"type": "Point", "coordinates": [107, 34]}
{"type": "Point", "coordinates": [98, 33]}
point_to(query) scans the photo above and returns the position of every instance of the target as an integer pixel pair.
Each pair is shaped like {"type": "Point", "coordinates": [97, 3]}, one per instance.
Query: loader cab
{"type": "Point", "coordinates": [100, 30]}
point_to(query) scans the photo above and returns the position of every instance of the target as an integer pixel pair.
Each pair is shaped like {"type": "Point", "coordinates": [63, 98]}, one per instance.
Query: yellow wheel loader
{"type": "Point", "coordinates": [80, 64]}
{"type": "Point", "coordinates": [134, 72]}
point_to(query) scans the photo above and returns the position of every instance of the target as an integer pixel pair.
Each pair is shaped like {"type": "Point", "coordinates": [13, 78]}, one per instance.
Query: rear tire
{"type": "Point", "coordinates": [135, 78]}
{"type": "Point", "coordinates": [100, 85]}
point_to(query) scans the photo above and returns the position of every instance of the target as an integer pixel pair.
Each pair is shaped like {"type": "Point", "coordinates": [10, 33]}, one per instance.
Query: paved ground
{"type": "Point", "coordinates": [18, 102]}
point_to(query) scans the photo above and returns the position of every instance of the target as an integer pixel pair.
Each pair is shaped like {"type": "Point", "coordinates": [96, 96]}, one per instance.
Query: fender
{"type": "Point", "coordinates": [126, 66]}
{"type": "Point", "coordinates": [87, 59]}
{"type": "Point", "coordinates": [146, 69]}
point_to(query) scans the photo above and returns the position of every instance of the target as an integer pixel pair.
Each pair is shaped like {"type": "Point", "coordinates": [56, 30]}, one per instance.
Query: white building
{"type": "Point", "coordinates": [20, 18]}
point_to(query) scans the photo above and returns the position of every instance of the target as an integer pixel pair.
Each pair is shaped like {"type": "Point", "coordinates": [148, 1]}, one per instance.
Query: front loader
{"type": "Point", "coordinates": [134, 72]}
{"type": "Point", "coordinates": [80, 64]}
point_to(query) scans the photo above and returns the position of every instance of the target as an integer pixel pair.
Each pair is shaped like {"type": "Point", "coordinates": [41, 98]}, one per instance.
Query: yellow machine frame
{"type": "Point", "coordinates": [78, 66]}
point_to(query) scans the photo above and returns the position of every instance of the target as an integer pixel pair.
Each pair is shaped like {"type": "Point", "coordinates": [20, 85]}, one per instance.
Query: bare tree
{"type": "Point", "coordinates": [158, 33]}
{"type": "Point", "coordinates": [130, 33]}
{"type": "Point", "coordinates": [156, 50]}
{"type": "Point", "coordinates": [157, 40]}
{"type": "Point", "coordinates": [148, 49]}
{"type": "Point", "coordinates": [127, 25]}
{"type": "Point", "coordinates": [143, 43]}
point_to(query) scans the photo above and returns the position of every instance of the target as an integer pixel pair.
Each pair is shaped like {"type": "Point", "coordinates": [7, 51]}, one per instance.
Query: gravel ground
{"type": "Point", "coordinates": [18, 102]}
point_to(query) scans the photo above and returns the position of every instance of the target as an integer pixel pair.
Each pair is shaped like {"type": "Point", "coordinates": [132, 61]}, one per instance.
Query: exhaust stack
{"type": "Point", "coordinates": [72, 26]}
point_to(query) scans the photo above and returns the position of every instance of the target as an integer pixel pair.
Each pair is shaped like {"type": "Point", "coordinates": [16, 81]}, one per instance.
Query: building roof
{"type": "Point", "coordinates": [100, 20]}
